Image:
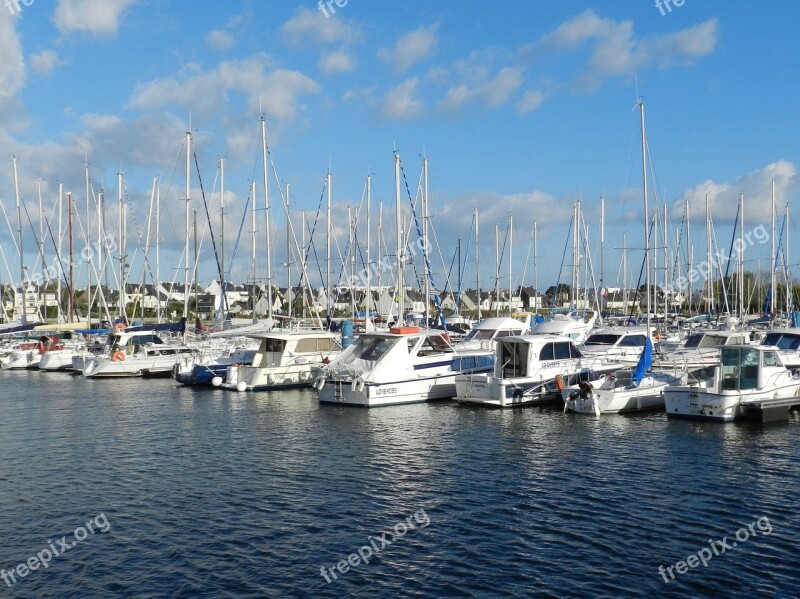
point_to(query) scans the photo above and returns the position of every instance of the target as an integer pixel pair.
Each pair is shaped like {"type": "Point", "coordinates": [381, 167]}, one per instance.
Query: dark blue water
{"type": "Point", "coordinates": [217, 494]}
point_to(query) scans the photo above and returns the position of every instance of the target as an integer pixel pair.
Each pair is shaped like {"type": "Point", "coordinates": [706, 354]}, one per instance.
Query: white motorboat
{"type": "Point", "coordinates": [530, 369]}
{"type": "Point", "coordinates": [26, 355]}
{"type": "Point", "coordinates": [620, 344]}
{"type": "Point", "coordinates": [405, 365]}
{"type": "Point", "coordinates": [135, 353]}
{"type": "Point", "coordinates": [58, 353]}
{"type": "Point", "coordinates": [787, 341]}
{"type": "Point", "coordinates": [283, 359]}
{"type": "Point", "coordinates": [700, 351]}
{"type": "Point", "coordinates": [575, 325]}
{"type": "Point", "coordinates": [749, 379]}
{"type": "Point", "coordinates": [483, 334]}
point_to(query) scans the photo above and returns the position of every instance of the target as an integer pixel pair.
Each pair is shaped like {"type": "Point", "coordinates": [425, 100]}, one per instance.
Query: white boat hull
{"type": "Point", "coordinates": [702, 403]}
{"type": "Point", "coordinates": [371, 395]}
{"type": "Point", "coordinates": [21, 360]}
{"type": "Point", "coordinates": [57, 360]}
{"type": "Point", "coordinates": [134, 366]}
{"type": "Point", "coordinates": [257, 378]}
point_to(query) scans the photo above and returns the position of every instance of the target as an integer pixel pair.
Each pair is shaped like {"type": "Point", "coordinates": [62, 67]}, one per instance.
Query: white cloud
{"type": "Point", "coordinates": [96, 17]}
{"type": "Point", "coordinates": [615, 50]}
{"type": "Point", "coordinates": [311, 26]}
{"type": "Point", "coordinates": [219, 39]}
{"type": "Point", "coordinates": [206, 92]}
{"type": "Point", "coordinates": [723, 197]}
{"type": "Point", "coordinates": [333, 63]}
{"type": "Point", "coordinates": [402, 103]}
{"type": "Point", "coordinates": [411, 48]}
{"type": "Point", "coordinates": [12, 67]}
{"type": "Point", "coordinates": [530, 101]}
{"type": "Point", "coordinates": [492, 92]}
{"type": "Point", "coordinates": [44, 62]}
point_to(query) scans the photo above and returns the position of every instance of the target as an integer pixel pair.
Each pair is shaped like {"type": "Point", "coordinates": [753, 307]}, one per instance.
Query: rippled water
{"type": "Point", "coordinates": [213, 494]}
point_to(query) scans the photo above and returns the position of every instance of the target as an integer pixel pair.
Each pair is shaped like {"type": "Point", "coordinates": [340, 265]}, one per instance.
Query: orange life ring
{"type": "Point", "coordinates": [119, 327]}
{"type": "Point", "coordinates": [559, 383]}
{"type": "Point", "coordinates": [118, 356]}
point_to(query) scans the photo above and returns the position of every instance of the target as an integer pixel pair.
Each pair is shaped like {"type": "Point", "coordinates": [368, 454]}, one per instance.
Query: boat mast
{"type": "Point", "coordinates": [89, 258]}
{"type": "Point", "coordinates": [400, 254]}
{"type": "Point", "coordinates": [602, 251]}
{"type": "Point", "coordinates": [425, 240]}
{"type": "Point", "coordinates": [288, 255]}
{"type": "Point", "coordinates": [789, 291]}
{"type": "Point", "coordinates": [266, 216]}
{"type": "Point", "coordinates": [510, 249]}
{"type": "Point", "coordinates": [186, 223]}
{"type": "Point", "coordinates": [689, 249]}
{"type": "Point", "coordinates": [71, 261]}
{"type": "Point", "coordinates": [368, 296]}
{"type": "Point", "coordinates": [328, 291]}
{"type": "Point", "coordinates": [41, 232]}
{"type": "Point", "coordinates": [224, 296]}
{"type": "Point", "coordinates": [741, 258]}
{"type": "Point", "coordinates": [646, 212]}
{"type": "Point", "coordinates": [22, 318]}
{"type": "Point", "coordinates": [771, 257]}
{"type": "Point", "coordinates": [253, 244]}
{"type": "Point", "coordinates": [497, 269]}
{"type": "Point", "coordinates": [121, 232]}
{"type": "Point", "coordinates": [535, 265]}
{"type": "Point", "coordinates": [477, 264]}
{"type": "Point", "coordinates": [58, 278]}
{"type": "Point", "coordinates": [710, 298]}
{"type": "Point", "coordinates": [158, 247]}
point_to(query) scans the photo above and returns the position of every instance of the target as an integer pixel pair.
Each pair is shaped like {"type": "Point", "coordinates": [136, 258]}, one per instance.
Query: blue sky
{"type": "Point", "coordinates": [521, 108]}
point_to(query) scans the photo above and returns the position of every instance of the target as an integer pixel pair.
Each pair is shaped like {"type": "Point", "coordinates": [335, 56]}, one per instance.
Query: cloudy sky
{"type": "Point", "coordinates": [522, 108]}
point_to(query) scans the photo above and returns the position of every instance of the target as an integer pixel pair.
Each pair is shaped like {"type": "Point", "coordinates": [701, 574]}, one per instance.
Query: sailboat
{"type": "Point", "coordinates": [626, 391]}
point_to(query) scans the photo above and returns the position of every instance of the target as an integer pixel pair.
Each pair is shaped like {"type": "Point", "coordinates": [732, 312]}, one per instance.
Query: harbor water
{"type": "Point", "coordinates": [161, 491]}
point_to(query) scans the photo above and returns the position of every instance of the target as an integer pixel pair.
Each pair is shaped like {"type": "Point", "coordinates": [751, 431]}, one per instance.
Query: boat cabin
{"type": "Point", "coordinates": [744, 367]}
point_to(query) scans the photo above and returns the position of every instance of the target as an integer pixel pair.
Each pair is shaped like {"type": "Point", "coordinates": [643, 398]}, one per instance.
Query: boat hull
{"type": "Point", "coordinates": [372, 395]}
{"type": "Point", "coordinates": [697, 403]}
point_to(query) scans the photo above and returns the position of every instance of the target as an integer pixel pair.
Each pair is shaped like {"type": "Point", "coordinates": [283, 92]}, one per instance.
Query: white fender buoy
{"type": "Point", "coordinates": [216, 381]}
{"type": "Point", "coordinates": [241, 386]}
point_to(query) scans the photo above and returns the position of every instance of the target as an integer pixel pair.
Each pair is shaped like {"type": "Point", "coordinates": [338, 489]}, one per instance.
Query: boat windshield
{"type": "Point", "coordinates": [703, 341]}
{"type": "Point", "coordinates": [602, 339]}
{"type": "Point", "coordinates": [782, 341]}
{"type": "Point", "coordinates": [373, 349]}
{"type": "Point", "coordinates": [739, 368]}
{"type": "Point", "coordinates": [479, 335]}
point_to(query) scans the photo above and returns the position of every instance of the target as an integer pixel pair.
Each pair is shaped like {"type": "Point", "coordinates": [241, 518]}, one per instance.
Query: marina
{"type": "Point", "coordinates": [379, 299]}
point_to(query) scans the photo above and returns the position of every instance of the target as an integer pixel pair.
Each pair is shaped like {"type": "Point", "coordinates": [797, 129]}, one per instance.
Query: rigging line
{"type": "Point", "coordinates": [224, 301]}
{"type": "Point", "coordinates": [436, 295]}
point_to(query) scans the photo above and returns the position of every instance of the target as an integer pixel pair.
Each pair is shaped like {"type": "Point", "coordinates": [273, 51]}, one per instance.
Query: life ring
{"type": "Point", "coordinates": [559, 383]}
{"type": "Point", "coordinates": [118, 356]}
{"type": "Point", "coordinates": [119, 327]}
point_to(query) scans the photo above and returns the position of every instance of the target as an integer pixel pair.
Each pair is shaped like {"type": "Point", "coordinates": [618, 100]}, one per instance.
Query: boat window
{"type": "Point", "coordinates": [433, 345]}
{"type": "Point", "coordinates": [548, 353]}
{"type": "Point", "coordinates": [601, 339]}
{"type": "Point", "coordinates": [315, 344]}
{"type": "Point", "coordinates": [373, 349]}
{"type": "Point", "coordinates": [693, 341]}
{"type": "Point", "coordinates": [507, 333]}
{"type": "Point", "coordinates": [712, 341]}
{"type": "Point", "coordinates": [562, 351]}
{"type": "Point", "coordinates": [574, 351]}
{"type": "Point", "coordinates": [632, 341]}
{"type": "Point", "coordinates": [749, 378]}
{"type": "Point", "coordinates": [771, 358]}
{"type": "Point", "coordinates": [274, 345]}
{"type": "Point", "coordinates": [514, 359]}
{"type": "Point", "coordinates": [782, 341]}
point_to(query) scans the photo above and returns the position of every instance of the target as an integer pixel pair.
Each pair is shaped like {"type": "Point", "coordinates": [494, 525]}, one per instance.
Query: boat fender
{"type": "Point", "coordinates": [319, 383]}
{"type": "Point", "coordinates": [358, 384]}
{"type": "Point", "coordinates": [118, 356]}
{"type": "Point", "coordinates": [559, 382]}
